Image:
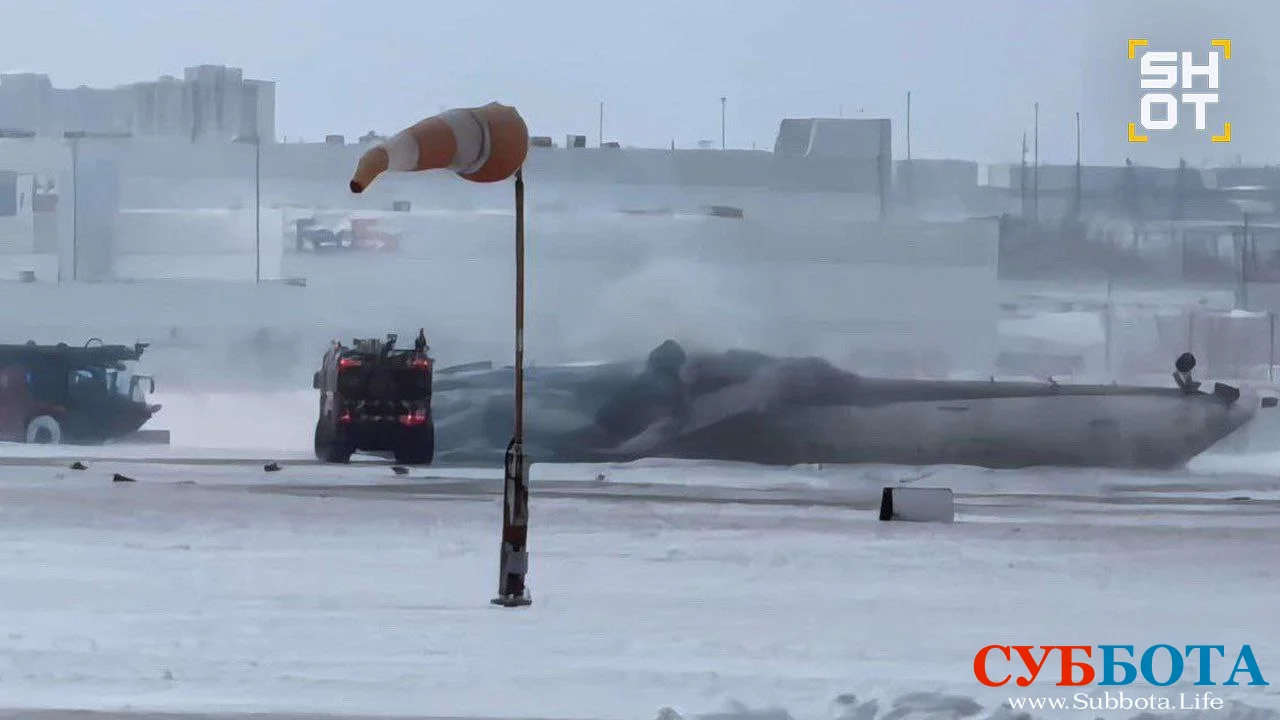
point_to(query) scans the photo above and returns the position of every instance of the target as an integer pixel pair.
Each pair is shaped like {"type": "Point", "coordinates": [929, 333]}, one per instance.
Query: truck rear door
{"type": "Point", "coordinates": [15, 402]}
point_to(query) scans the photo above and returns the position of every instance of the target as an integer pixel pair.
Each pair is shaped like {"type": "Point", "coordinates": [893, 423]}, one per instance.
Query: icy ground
{"type": "Point", "coordinates": [213, 586]}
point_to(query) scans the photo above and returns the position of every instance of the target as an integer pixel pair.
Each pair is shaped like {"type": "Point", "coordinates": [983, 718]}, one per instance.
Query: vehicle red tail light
{"type": "Point", "coordinates": [345, 363]}
{"type": "Point", "coordinates": [415, 418]}
{"type": "Point", "coordinates": [345, 417]}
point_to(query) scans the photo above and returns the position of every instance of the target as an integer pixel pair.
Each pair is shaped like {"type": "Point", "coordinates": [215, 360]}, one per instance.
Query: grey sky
{"type": "Point", "coordinates": [975, 66]}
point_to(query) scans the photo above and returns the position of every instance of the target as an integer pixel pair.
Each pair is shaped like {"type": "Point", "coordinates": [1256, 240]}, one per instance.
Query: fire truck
{"type": "Point", "coordinates": [59, 394]}
{"type": "Point", "coordinates": [376, 399]}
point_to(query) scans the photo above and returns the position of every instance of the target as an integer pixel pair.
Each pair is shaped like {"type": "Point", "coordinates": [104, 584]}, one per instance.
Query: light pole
{"type": "Point", "coordinates": [1022, 179]}
{"type": "Point", "coordinates": [256, 141]}
{"type": "Point", "coordinates": [723, 100]}
{"type": "Point", "coordinates": [911, 170]}
{"type": "Point", "coordinates": [75, 136]}
{"type": "Point", "coordinates": [1035, 200]}
{"type": "Point", "coordinates": [1079, 180]}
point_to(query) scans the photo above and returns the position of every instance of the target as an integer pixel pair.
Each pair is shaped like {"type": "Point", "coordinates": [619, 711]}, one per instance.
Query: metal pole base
{"type": "Point", "coordinates": [512, 592]}
{"type": "Point", "coordinates": [513, 601]}
{"type": "Point", "coordinates": [514, 553]}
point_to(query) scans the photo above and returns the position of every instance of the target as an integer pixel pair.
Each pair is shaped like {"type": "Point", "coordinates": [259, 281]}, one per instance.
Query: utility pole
{"type": "Point", "coordinates": [1079, 198]}
{"type": "Point", "coordinates": [75, 136]}
{"type": "Point", "coordinates": [911, 169]}
{"type": "Point", "coordinates": [1180, 190]}
{"type": "Point", "coordinates": [257, 209]}
{"type": "Point", "coordinates": [1035, 200]}
{"type": "Point", "coordinates": [723, 100]}
{"type": "Point", "coordinates": [1110, 319]}
{"type": "Point", "coordinates": [908, 124]}
{"type": "Point", "coordinates": [75, 208]}
{"type": "Point", "coordinates": [1022, 178]}
{"type": "Point", "coordinates": [1242, 285]}
{"type": "Point", "coordinates": [256, 141]}
{"type": "Point", "coordinates": [601, 126]}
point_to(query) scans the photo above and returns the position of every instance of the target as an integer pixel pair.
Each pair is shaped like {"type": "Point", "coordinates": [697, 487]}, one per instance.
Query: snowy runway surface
{"type": "Point", "coordinates": [211, 586]}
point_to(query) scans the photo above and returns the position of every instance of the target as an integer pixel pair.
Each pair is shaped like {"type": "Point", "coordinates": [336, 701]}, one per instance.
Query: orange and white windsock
{"type": "Point", "coordinates": [482, 144]}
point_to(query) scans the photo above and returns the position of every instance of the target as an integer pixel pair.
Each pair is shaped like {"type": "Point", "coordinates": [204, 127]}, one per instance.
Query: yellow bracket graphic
{"type": "Point", "coordinates": [1226, 134]}
{"type": "Point", "coordinates": [1135, 43]}
{"type": "Point", "coordinates": [1218, 42]}
{"type": "Point", "coordinates": [1135, 137]}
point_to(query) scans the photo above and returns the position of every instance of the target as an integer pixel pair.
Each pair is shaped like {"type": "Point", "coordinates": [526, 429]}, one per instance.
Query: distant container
{"type": "Point", "coordinates": [335, 140]}
{"type": "Point", "coordinates": [541, 141]}
{"type": "Point", "coordinates": [27, 276]}
{"type": "Point", "coordinates": [611, 145]}
{"type": "Point", "coordinates": [400, 206]}
{"type": "Point", "coordinates": [575, 141]}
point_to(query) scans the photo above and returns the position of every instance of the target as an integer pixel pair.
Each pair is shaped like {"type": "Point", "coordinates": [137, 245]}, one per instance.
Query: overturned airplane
{"type": "Point", "coordinates": [750, 407]}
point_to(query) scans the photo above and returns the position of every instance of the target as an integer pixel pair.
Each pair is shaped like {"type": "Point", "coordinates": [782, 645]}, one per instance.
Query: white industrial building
{"type": "Point", "coordinates": [210, 102]}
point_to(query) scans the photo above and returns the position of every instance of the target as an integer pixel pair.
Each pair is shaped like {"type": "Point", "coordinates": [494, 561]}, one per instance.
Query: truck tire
{"type": "Point", "coordinates": [419, 448]}
{"type": "Point", "coordinates": [44, 430]}
{"type": "Point", "coordinates": [329, 446]}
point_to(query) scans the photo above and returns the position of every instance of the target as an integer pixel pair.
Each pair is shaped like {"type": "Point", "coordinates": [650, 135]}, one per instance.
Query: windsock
{"type": "Point", "coordinates": [483, 144]}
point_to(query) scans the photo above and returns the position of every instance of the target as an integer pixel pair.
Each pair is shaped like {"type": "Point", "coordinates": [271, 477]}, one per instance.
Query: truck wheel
{"type": "Point", "coordinates": [339, 454]}
{"type": "Point", "coordinates": [419, 448]}
{"type": "Point", "coordinates": [44, 430]}
{"type": "Point", "coordinates": [329, 448]}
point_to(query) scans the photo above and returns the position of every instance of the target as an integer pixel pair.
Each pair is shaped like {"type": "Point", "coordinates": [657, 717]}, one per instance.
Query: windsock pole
{"type": "Point", "coordinates": [514, 557]}
{"type": "Point", "coordinates": [483, 144]}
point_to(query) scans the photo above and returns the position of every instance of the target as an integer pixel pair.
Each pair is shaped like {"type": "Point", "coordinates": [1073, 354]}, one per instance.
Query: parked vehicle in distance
{"type": "Point", "coordinates": [56, 394]}
{"type": "Point", "coordinates": [375, 398]}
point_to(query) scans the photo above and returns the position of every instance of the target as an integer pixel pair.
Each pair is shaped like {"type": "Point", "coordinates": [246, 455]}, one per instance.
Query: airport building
{"type": "Point", "coordinates": [155, 185]}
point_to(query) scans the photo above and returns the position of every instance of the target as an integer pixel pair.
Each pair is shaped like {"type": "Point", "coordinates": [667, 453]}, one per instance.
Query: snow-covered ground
{"type": "Point", "coordinates": [210, 586]}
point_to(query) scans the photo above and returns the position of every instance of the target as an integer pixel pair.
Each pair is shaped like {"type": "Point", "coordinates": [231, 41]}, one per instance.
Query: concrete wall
{"type": "Point", "coordinates": [157, 174]}
{"type": "Point", "coordinates": [17, 221]}
{"type": "Point", "coordinates": [936, 189]}
{"type": "Point", "coordinates": [1093, 179]}
{"type": "Point", "coordinates": [109, 175]}
{"type": "Point", "coordinates": [935, 177]}
{"type": "Point", "coordinates": [35, 155]}
{"type": "Point", "coordinates": [170, 160]}
{"type": "Point", "coordinates": [146, 245]}
{"type": "Point", "coordinates": [902, 299]}
{"type": "Point", "coordinates": [197, 244]}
